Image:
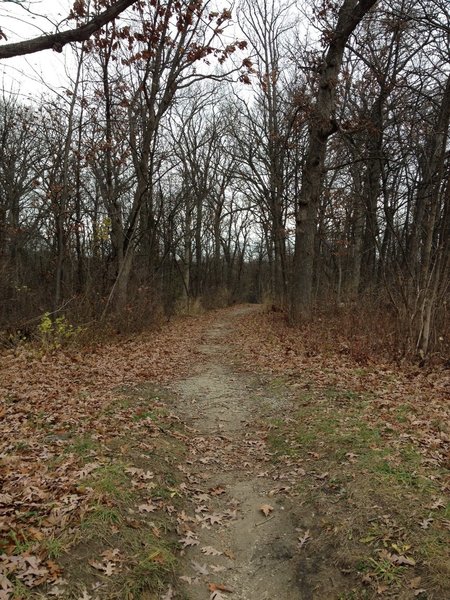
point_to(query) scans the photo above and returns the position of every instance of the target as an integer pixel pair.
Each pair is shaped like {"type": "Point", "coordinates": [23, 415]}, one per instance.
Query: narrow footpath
{"type": "Point", "coordinates": [242, 536]}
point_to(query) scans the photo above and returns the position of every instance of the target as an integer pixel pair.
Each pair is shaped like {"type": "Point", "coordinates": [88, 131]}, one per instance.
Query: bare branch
{"type": "Point", "coordinates": [57, 41]}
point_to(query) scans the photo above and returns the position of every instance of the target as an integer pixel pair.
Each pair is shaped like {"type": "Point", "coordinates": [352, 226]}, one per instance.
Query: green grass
{"type": "Point", "coordinates": [54, 547]}
{"type": "Point", "coordinates": [20, 546]}
{"type": "Point", "coordinates": [83, 446]}
{"type": "Point", "coordinates": [402, 475]}
{"type": "Point", "coordinates": [100, 515]}
{"type": "Point", "coordinates": [111, 480]}
{"type": "Point", "coordinates": [384, 570]}
{"type": "Point", "coordinates": [376, 480]}
{"type": "Point", "coordinates": [20, 591]}
{"type": "Point", "coordinates": [154, 561]}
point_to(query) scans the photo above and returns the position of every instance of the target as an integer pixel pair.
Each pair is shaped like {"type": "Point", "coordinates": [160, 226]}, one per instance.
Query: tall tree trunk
{"type": "Point", "coordinates": [432, 194]}
{"type": "Point", "coordinates": [322, 126]}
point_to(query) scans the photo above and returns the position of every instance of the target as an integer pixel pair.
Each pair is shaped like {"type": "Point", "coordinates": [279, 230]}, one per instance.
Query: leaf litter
{"type": "Point", "coordinates": [57, 428]}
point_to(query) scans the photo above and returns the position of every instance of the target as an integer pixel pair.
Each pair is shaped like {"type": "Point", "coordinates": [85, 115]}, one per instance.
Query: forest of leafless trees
{"type": "Point", "coordinates": [295, 153]}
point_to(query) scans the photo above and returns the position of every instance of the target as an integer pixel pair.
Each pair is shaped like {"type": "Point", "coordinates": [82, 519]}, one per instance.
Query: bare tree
{"type": "Point", "coordinates": [322, 126]}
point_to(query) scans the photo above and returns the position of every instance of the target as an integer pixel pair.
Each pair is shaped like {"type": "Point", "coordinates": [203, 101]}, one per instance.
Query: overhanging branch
{"type": "Point", "coordinates": [56, 41]}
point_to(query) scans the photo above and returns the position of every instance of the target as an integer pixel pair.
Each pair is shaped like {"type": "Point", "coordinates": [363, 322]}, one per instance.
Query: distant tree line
{"type": "Point", "coordinates": [175, 169]}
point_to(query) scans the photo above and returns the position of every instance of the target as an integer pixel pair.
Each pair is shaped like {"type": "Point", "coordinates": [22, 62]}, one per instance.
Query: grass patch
{"type": "Point", "coordinates": [153, 563]}
{"type": "Point", "coordinates": [112, 480]}
{"type": "Point", "coordinates": [101, 515]}
{"type": "Point", "coordinates": [83, 446]}
{"type": "Point", "coordinates": [133, 469]}
{"type": "Point", "coordinates": [361, 472]}
{"type": "Point", "coordinates": [54, 547]}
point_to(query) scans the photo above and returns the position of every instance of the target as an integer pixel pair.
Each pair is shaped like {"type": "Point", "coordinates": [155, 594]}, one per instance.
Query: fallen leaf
{"type": "Point", "coordinates": [219, 587]}
{"type": "Point", "coordinates": [200, 569]}
{"type": "Point", "coordinates": [425, 524]}
{"type": "Point", "coordinates": [415, 583]}
{"type": "Point", "coordinates": [266, 509]}
{"type": "Point", "coordinates": [111, 554]}
{"type": "Point", "coordinates": [438, 503]}
{"type": "Point", "coordinates": [148, 508]}
{"type": "Point", "coordinates": [210, 551]}
{"type": "Point", "coordinates": [217, 596]}
{"type": "Point", "coordinates": [188, 541]}
{"type": "Point", "coordinates": [304, 539]}
{"type": "Point", "coordinates": [107, 568]}
{"type": "Point", "coordinates": [213, 519]}
{"type": "Point", "coordinates": [217, 568]}
{"type": "Point", "coordinates": [217, 491]}
{"type": "Point", "coordinates": [403, 560]}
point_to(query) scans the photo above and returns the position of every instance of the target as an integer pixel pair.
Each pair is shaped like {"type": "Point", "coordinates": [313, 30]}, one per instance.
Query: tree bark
{"type": "Point", "coordinates": [322, 126]}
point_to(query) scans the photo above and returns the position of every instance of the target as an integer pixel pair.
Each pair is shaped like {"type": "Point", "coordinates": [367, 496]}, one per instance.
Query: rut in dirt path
{"type": "Point", "coordinates": [229, 541]}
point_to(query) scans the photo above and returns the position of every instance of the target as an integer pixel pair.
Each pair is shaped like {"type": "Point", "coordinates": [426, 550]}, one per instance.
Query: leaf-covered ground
{"type": "Point", "coordinates": [373, 439]}
{"type": "Point", "coordinates": [223, 456]}
{"type": "Point", "coordinates": [70, 439]}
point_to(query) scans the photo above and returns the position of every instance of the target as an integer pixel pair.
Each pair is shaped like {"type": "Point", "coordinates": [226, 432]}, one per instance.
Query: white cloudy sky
{"type": "Point", "coordinates": [30, 75]}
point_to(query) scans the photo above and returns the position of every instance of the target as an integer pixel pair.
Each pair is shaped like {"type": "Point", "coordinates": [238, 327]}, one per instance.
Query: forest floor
{"type": "Point", "coordinates": [225, 456]}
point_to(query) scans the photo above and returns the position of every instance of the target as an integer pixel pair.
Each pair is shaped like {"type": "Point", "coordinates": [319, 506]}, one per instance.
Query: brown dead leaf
{"type": "Point", "coordinates": [219, 587]}
{"type": "Point", "coordinates": [217, 491]}
{"type": "Point", "coordinates": [210, 551]}
{"type": "Point", "coordinates": [106, 568]}
{"type": "Point", "coordinates": [112, 554]}
{"type": "Point", "coordinates": [437, 504]}
{"type": "Point", "coordinates": [304, 539]}
{"type": "Point", "coordinates": [214, 519]}
{"type": "Point", "coordinates": [148, 508]}
{"type": "Point", "coordinates": [169, 595]}
{"type": "Point", "coordinates": [189, 541]}
{"type": "Point", "coordinates": [401, 559]}
{"type": "Point", "coordinates": [266, 509]}
{"type": "Point", "coordinates": [217, 596]}
{"type": "Point", "coordinates": [217, 568]}
{"type": "Point", "coordinates": [415, 583]}
{"type": "Point", "coordinates": [425, 524]}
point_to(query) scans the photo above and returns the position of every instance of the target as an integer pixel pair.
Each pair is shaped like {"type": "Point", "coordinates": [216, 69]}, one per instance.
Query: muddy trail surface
{"type": "Point", "coordinates": [246, 534]}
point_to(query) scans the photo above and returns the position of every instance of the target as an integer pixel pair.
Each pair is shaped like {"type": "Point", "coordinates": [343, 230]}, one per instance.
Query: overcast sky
{"type": "Point", "coordinates": [30, 75]}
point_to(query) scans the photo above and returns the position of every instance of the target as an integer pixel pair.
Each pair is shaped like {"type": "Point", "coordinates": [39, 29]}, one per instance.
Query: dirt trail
{"type": "Point", "coordinates": [234, 543]}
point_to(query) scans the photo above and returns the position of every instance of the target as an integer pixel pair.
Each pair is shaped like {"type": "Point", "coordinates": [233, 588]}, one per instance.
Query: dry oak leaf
{"type": "Point", "coordinates": [438, 503]}
{"type": "Point", "coordinates": [217, 568]}
{"type": "Point", "coordinates": [186, 578]}
{"type": "Point", "coordinates": [217, 491]}
{"type": "Point", "coordinates": [5, 585]}
{"type": "Point", "coordinates": [189, 540]}
{"type": "Point", "coordinates": [111, 554]}
{"type": "Point", "coordinates": [214, 519]}
{"type": "Point", "coordinates": [107, 568]}
{"type": "Point", "coordinates": [304, 539]}
{"type": "Point", "coordinates": [425, 524]}
{"type": "Point", "coordinates": [149, 508]}
{"type": "Point", "coordinates": [210, 551]}
{"type": "Point", "coordinates": [169, 595]}
{"type": "Point", "coordinates": [266, 509]}
{"type": "Point", "coordinates": [202, 498]}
